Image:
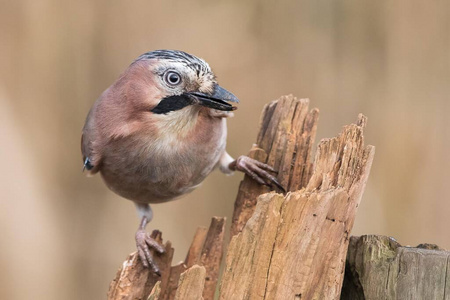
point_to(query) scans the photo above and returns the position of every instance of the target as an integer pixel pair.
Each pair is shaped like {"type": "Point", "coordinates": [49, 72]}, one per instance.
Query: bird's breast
{"type": "Point", "coordinates": [165, 162]}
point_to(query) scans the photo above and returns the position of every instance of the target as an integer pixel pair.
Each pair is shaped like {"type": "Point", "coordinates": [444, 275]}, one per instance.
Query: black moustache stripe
{"type": "Point", "coordinates": [172, 103]}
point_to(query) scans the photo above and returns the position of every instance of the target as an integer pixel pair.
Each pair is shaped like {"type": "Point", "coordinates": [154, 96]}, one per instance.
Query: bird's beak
{"type": "Point", "coordinates": [217, 100]}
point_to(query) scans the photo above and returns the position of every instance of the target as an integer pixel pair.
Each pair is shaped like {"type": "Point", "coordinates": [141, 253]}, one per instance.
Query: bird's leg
{"type": "Point", "coordinates": [257, 170]}
{"type": "Point", "coordinates": [144, 241]}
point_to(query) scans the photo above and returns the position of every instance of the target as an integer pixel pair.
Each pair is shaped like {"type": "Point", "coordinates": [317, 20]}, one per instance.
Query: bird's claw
{"type": "Point", "coordinates": [143, 243]}
{"type": "Point", "coordinates": [258, 171]}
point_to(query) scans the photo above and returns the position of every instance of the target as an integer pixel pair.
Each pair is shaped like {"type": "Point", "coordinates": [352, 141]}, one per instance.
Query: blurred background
{"type": "Point", "coordinates": [64, 235]}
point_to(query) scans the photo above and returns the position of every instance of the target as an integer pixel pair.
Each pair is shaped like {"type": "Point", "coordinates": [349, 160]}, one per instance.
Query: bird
{"type": "Point", "coordinates": [158, 131]}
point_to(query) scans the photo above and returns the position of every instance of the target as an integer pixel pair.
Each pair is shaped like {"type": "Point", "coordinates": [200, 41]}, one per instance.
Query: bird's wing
{"type": "Point", "coordinates": [91, 157]}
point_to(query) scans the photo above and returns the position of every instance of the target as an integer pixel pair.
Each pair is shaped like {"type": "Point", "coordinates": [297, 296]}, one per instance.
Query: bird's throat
{"type": "Point", "coordinates": [178, 123]}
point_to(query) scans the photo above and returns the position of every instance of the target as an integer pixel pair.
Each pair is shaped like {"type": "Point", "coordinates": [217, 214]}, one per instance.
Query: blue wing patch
{"type": "Point", "coordinates": [87, 164]}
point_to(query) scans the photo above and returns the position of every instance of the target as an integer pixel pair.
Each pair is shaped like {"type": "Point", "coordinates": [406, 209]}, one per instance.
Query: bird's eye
{"type": "Point", "coordinates": [172, 78]}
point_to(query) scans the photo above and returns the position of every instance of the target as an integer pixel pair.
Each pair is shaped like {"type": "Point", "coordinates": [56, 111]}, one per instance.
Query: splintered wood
{"type": "Point", "coordinates": [294, 246]}
{"type": "Point", "coordinates": [286, 136]}
{"type": "Point", "coordinates": [192, 282]}
{"type": "Point", "coordinates": [378, 267]}
{"type": "Point", "coordinates": [200, 268]}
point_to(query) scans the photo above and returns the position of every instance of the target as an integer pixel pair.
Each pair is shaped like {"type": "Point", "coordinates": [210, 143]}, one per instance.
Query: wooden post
{"type": "Point", "coordinates": [378, 267]}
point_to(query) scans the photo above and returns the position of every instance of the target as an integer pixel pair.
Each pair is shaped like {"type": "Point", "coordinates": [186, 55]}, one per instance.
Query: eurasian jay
{"type": "Point", "coordinates": [158, 131]}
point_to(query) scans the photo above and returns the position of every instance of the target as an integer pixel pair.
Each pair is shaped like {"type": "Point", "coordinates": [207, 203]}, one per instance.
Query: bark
{"type": "Point", "coordinates": [378, 267]}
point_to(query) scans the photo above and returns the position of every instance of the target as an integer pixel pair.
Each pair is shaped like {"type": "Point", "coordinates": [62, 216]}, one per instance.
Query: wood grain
{"type": "Point", "coordinates": [286, 135]}
{"type": "Point", "coordinates": [191, 284]}
{"type": "Point", "coordinates": [249, 254]}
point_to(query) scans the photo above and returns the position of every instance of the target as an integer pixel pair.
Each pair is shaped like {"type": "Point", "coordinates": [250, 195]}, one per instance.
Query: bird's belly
{"type": "Point", "coordinates": [162, 172]}
{"type": "Point", "coordinates": [177, 175]}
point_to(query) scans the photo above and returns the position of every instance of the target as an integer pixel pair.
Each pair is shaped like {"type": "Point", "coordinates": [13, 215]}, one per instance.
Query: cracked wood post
{"type": "Point", "coordinates": [378, 267]}
{"type": "Point", "coordinates": [294, 246]}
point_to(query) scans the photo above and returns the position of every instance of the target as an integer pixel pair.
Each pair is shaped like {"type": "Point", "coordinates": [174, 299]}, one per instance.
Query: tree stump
{"type": "Point", "coordinates": [294, 246]}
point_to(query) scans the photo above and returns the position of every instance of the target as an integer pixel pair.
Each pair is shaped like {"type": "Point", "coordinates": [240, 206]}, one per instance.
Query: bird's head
{"type": "Point", "coordinates": [180, 79]}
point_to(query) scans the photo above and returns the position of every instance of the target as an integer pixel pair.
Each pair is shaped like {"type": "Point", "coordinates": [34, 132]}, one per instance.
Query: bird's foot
{"type": "Point", "coordinates": [258, 171]}
{"type": "Point", "coordinates": [143, 243]}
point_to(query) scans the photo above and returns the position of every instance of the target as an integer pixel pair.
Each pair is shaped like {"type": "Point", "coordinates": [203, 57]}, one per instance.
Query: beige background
{"type": "Point", "coordinates": [64, 235]}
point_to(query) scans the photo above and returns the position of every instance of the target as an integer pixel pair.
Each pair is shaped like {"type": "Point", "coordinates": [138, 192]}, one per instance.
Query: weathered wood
{"type": "Point", "coordinates": [192, 258]}
{"type": "Point", "coordinates": [206, 250]}
{"type": "Point", "coordinates": [133, 281]}
{"type": "Point", "coordinates": [286, 134]}
{"type": "Point", "coordinates": [156, 292]}
{"type": "Point", "coordinates": [211, 256]}
{"type": "Point", "coordinates": [294, 247]}
{"type": "Point", "coordinates": [378, 267]}
{"type": "Point", "coordinates": [249, 253]}
{"type": "Point", "coordinates": [191, 284]}
{"type": "Point", "coordinates": [195, 251]}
